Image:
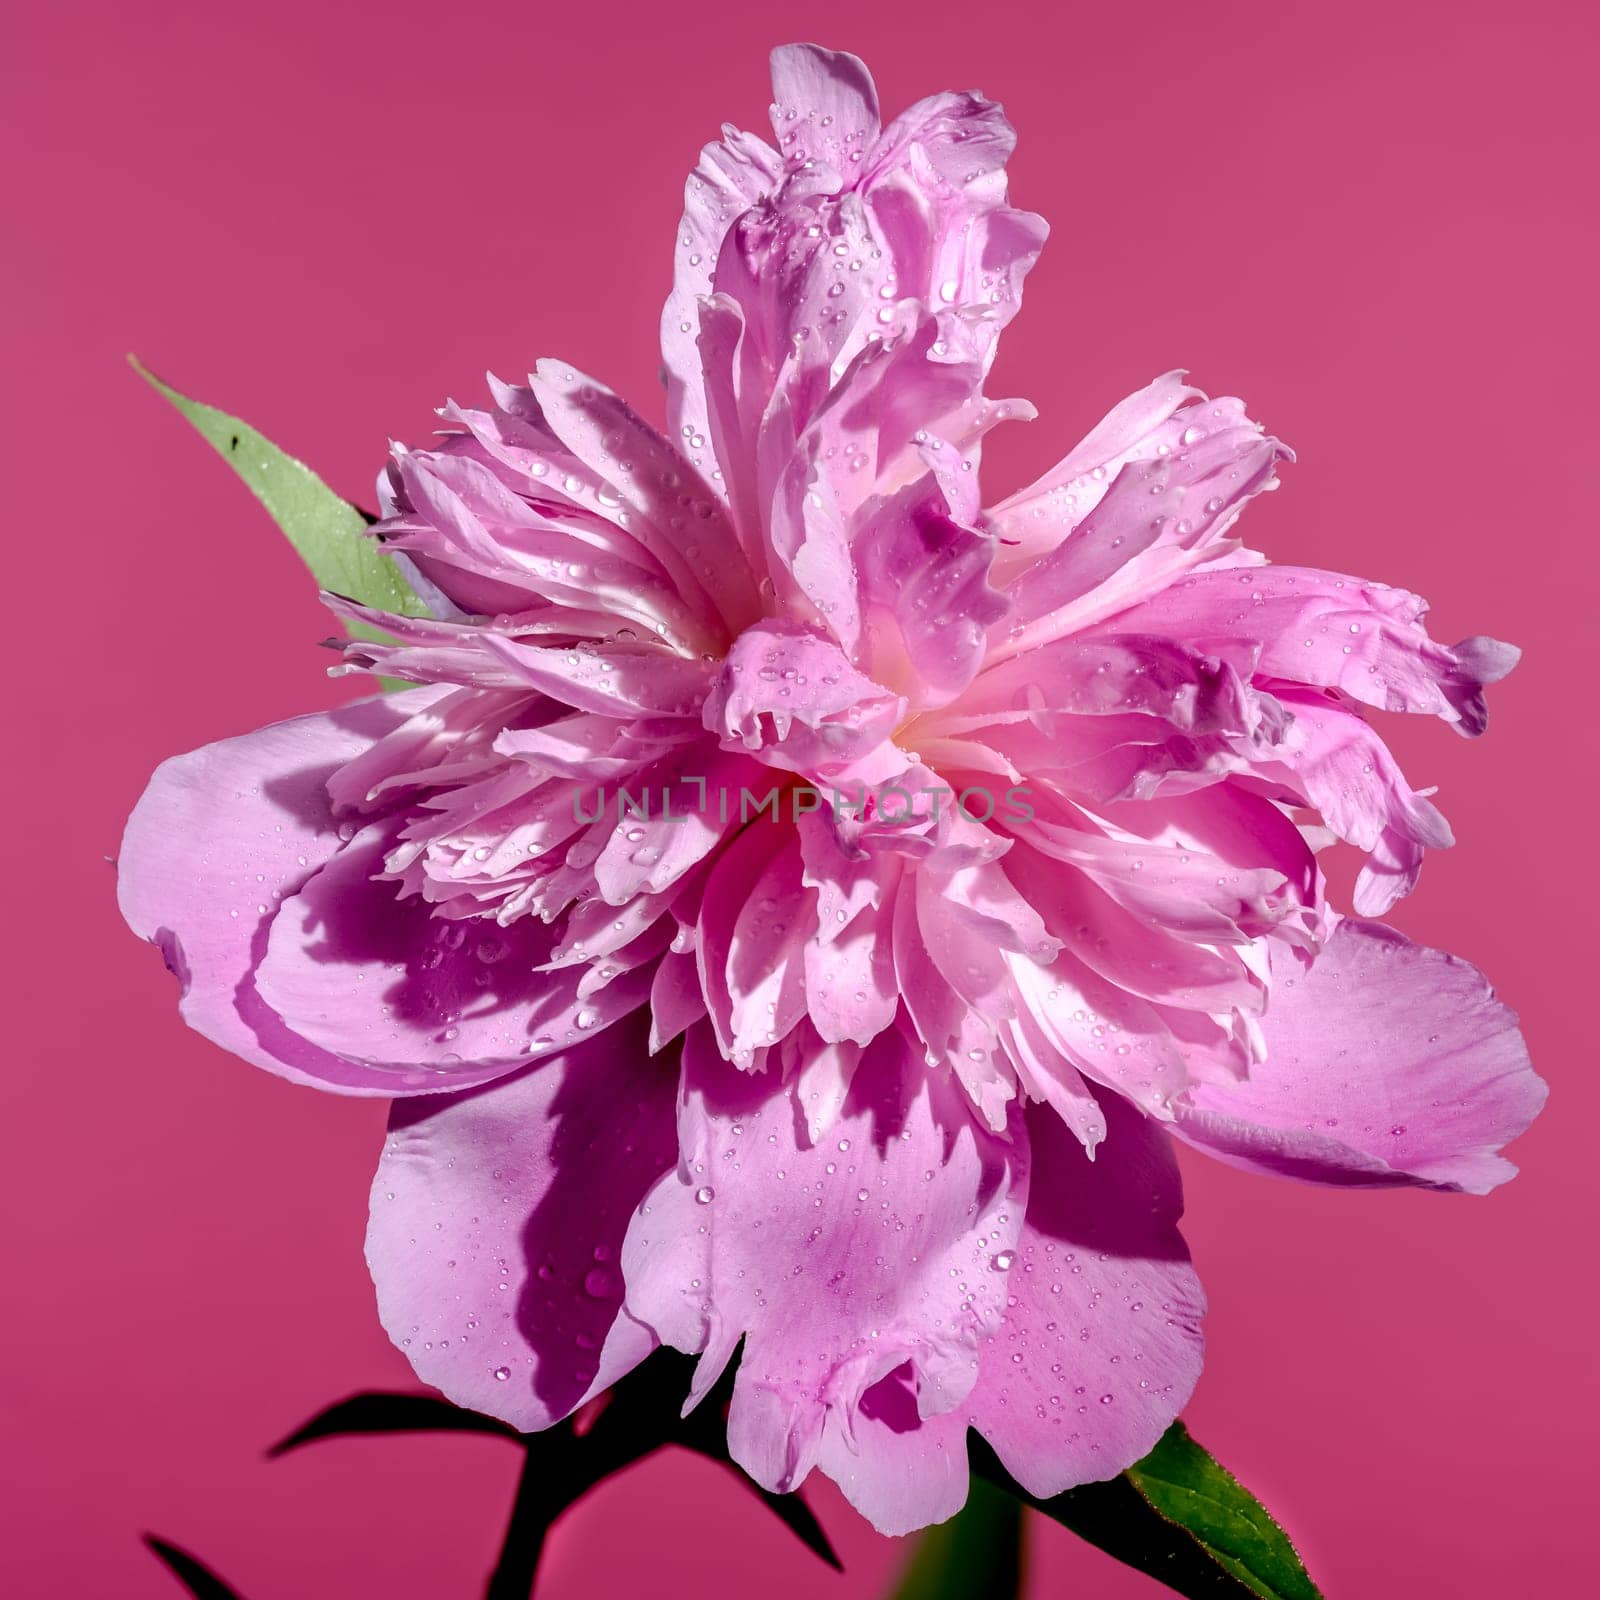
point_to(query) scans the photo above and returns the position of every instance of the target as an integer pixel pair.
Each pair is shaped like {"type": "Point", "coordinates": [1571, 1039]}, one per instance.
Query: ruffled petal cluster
{"type": "Point", "coordinates": [799, 902]}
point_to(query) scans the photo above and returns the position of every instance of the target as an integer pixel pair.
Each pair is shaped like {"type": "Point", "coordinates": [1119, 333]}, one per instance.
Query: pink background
{"type": "Point", "coordinates": [1377, 223]}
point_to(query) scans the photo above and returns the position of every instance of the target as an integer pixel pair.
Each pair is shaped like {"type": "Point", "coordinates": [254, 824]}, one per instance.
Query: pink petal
{"type": "Point", "coordinates": [850, 985]}
{"type": "Point", "coordinates": [793, 699]}
{"type": "Point", "coordinates": [1158, 518]}
{"type": "Point", "coordinates": [218, 841]}
{"type": "Point", "coordinates": [1313, 627]}
{"type": "Point", "coordinates": [1336, 761]}
{"type": "Point", "coordinates": [901, 1471]}
{"type": "Point", "coordinates": [1034, 520]}
{"type": "Point", "coordinates": [481, 518]}
{"type": "Point", "coordinates": [1386, 1063]}
{"type": "Point", "coordinates": [896, 1265]}
{"type": "Point", "coordinates": [669, 508]}
{"type": "Point", "coordinates": [384, 983]}
{"type": "Point", "coordinates": [498, 1217]}
{"type": "Point", "coordinates": [824, 106]}
{"type": "Point", "coordinates": [1102, 1347]}
{"type": "Point", "coordinates": [676, 998]}
{"type": "Point", "coordinates": [937, 188]}
{"type": "Point", "coordinates": [619, 682]}
{"type": "Point", "coordinates": [686, 808]}
{"type": "Point", "coordinates": [732, 176]}
{"type": "Point", "coordinates": [926, 599]}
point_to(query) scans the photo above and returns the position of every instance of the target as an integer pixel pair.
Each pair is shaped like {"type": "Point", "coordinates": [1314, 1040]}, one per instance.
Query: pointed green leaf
{"type": "Point", "coordinates": [193, 1574]}
{"type": "Point", "coordinates": [1188, 1486]}
{"type": "Point", "coordinates": [977, 1552]}
{"type": "Point", "coordinates": [1178, 1516]}
{"type": "Point", "coordinates": [329, 534]}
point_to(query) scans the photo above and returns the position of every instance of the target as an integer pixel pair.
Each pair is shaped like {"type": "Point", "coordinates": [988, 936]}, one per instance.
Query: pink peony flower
{"type": "Point", "coordinates": [799, 905]}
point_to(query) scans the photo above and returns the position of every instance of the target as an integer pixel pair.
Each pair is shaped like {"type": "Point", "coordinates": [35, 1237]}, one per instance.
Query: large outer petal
{"type": "Point", "coordinates": [1101, 1344]}
{"type": "Point", "coordinates": [1099, 1350]}
{"type": "Point", "coordinates": [1387, 1063]}
{"type": "Point", "coordinates": [387, 981]}
{"type": "Point", "coordinates": [497, 1219]}
{"type": "Point", "coordinates": [220, 837]}
{"type": "Point", "coordinates": [836, 1262]}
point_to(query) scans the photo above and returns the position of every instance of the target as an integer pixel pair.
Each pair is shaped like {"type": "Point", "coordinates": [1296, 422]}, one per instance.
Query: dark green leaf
{"type": "Point", "coordinates": [976, 1555]}
{"type": "Point", "coordinates": [391, 1413]}
{"type": "Point", "coordinates": [1232, 1551]}
{"type": "Point", "coordinates": [1188, 1486]}
{"type": "Point", "coordinates": [329, 534]}
{"type": "Point", "coordinates": [194, 1575]}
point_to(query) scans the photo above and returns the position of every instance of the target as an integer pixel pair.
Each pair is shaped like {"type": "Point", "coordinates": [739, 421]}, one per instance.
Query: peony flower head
{"type": "Point", "coordinates": [802, 899]}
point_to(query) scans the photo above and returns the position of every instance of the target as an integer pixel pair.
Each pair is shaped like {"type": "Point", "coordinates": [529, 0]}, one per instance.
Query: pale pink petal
{"type": "Point", "coordinates": [1386, 1063]}
{"type": "Point", "coordinates": [640, 477]}
{"type": "Point", "coordinates": [896, 1265]}
{"type": "Point", "coordinates": [676, 998]}
{"type": "Point", "coordinates": [1036, 519]}
{"type": "Point", "coordinates": [379, 981]}
{"type": "Point", "coordinates": [622, 681]}
{"type": "Point", "coordinates": [669, 819]}
{"type": "Point", "coordinates": [793, 699]}
{"type": "Point", "coordinates": [1159, 518]}
{"type": "Point", "coordinates": [1101, 1346]}
{"type": "Point", "coordinates": [901, 1471]}
{"type": "Point", "coordinates": [1312, 627]}
{"type": "Point", "coordinates": [937, 187]}
{"type": "Point", "coordinates": [732, 175]}
{"type": "Point", "coordinates": [497, 1224]}
{"type": "Point", "coordinates": [765, 969]}
{"type": "Point", "coordinates": [850, 986]}
{"type": "Point", "coordinates": [822, 1078]}
{"type": "Point", "coordinates": [220, 840]}
{"type": "Point", "coordinates": [926, 598]}
{"type": "Point", "coordinates": [482, 520]}
{"type": "Point", "coordinates": [1335, 760]}
{"type": "Point", "coordinates": [824, 106]}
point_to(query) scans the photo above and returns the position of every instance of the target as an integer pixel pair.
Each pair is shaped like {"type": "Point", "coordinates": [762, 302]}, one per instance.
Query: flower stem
{"type": "Point", "coordinates": [532, 1512]}
{"type": "Point", "coordinates": [978, 1552]}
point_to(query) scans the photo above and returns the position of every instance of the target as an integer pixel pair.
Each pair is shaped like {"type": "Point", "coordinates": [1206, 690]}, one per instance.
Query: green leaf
{"type": "Point", "coordinates": [1188, 1486]}
{"type": "Point", "coordinates": [329, 534]}
{"type": "Point", "coordinates": [1180, 1517]}
{"type": "Point", "coordinates": [192, 1573]}
{"type": "Point", "coordinates": [977, 1552]}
